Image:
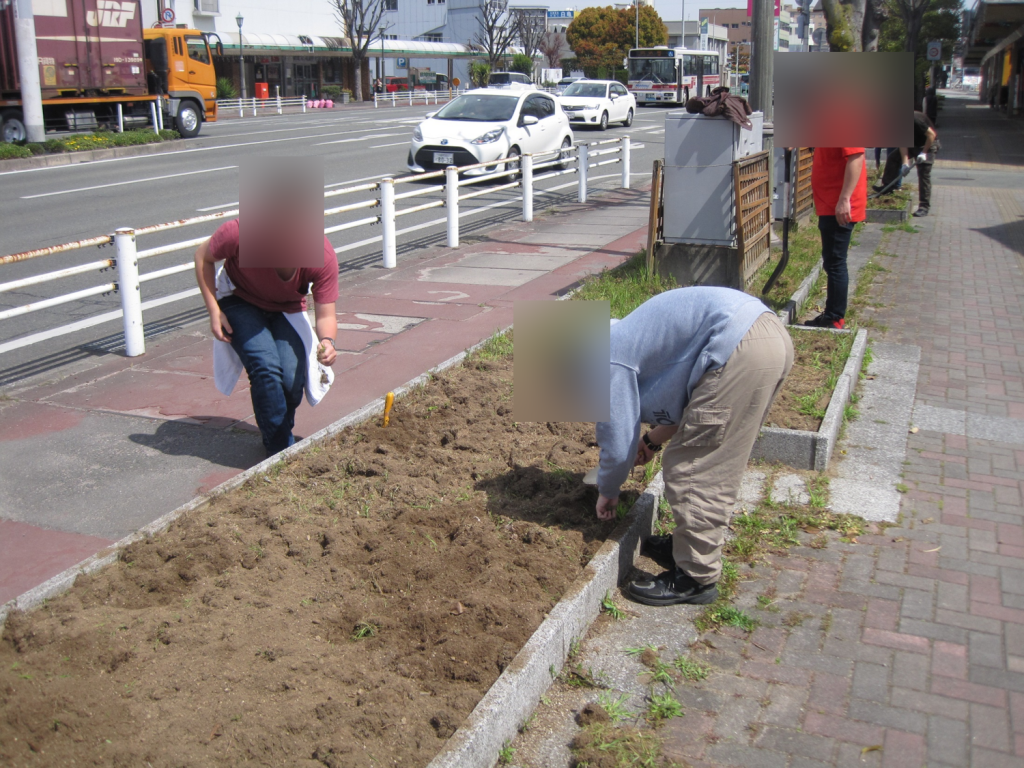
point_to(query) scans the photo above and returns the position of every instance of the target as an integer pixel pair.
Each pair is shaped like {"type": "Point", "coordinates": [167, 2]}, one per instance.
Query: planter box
{"type": "Point", "coordinates": [888, 215]}
{"type": "Point", "coordinates": [803, 449]}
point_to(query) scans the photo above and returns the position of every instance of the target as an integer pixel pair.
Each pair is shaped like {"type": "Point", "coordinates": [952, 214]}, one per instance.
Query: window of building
{"type": "Point", "coordinates": [390, 5]}
{"type": "Point", "coordinates": [735, 26]}
{"type": "Point", "coordinates": [207, 6]}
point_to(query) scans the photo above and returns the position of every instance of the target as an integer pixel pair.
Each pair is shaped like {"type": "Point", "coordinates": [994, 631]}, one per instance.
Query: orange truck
{"type": "Point", "coordinates": [95, 56]}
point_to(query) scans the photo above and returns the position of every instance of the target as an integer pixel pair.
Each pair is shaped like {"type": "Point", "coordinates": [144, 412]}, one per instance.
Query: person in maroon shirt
{"type": "Point", "coordinates": [256, 310]}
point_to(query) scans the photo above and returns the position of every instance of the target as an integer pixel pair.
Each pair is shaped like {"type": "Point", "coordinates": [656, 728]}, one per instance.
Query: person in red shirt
{"type": "Point", "coordinates": [260, 312]}
{"type": "Point", "coordinates": [839, 181]}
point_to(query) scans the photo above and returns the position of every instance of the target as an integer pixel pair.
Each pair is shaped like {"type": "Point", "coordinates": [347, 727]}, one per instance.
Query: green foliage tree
{"type": "Point", "coordinates": [479, 72]}
{"type": "Point", "coordinates": [522, 63]}
{"type": "Point", "coordinates": [601, 37]}
{"type": "Point", "coordinates": [905, 30]}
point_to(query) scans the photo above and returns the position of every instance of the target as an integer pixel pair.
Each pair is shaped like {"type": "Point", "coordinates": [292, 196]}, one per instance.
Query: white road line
{"type": "Point", "coordinates": [217, 207]}
{"type": "Point", "coordinates": [396, 144]}
{"type": "Point", "coordinates": [122, 183]}
{"type": "Point", "coordinates": [358, 138]}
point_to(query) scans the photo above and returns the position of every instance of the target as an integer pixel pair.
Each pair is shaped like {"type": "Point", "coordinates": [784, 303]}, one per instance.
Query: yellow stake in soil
{"type": "Point", "coordinates": [389, 401]}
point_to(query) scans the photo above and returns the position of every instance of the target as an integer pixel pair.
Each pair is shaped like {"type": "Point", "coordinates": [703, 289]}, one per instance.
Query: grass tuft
{"type": "Point", "coordinates": [625, 288]}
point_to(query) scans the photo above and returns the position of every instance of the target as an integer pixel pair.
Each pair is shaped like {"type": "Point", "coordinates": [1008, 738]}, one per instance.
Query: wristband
{"type": "Point", "coordinates": [328, 338]}
{"type": "Point", "coordinates": [651, 446]}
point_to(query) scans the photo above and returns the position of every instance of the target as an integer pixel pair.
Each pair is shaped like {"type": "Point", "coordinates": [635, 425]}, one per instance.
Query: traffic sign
{"type": "Point", "coordinates": [935, 51]}
{"type": "Point", "coordinates": [456, 82]}
{"type": "Point", "coordinates": [167, 15]}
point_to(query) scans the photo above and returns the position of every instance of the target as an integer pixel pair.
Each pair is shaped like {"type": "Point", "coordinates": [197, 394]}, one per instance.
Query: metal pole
{"type": "Point", "coordinates": [160, 112]}
{"type": "Point", "coordinates": [451, 188]}
{"type": "Point", "coordinates": [241, 60]}
{"type": "Point", "coordinates": [387, 220]}
{"type": "Point", "coordinates": [28, 71]}
{"type": "Point", "coordinates": [636, 5]}
{"type": "Point", "coordinates": [120, 118]}
{"type": "Point", "coordinates": [762, 74]}
{"type": "Point", "coordinates": [152, 114]}
{"type": "Point", "coordinates": [129, 288]}
{"type": "Point", "coordinates": [582, 169]}
{"type": "Point", "coordinates": [625, 162]}
{"type": "Point", "coordinates": [527, 183]}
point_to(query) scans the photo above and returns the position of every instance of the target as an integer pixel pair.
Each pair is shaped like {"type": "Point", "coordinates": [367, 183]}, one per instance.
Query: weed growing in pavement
{"type": "Point", "coordinates": [498, 347]}
{"type": "Point", "coordinates": [575, 676]}
{"type": "Point", "coordinates": [608, 606]}
{"type": "Point", "coordinates": [694, 671]}
{"type": "Point", "coordinates": [627, 747]}
{"type": "Point", "coordinates": [767, 603]}
{"type": "Point", "coordinates": [616, 708]}
{"type": "Point", "coordinates": [665, 522]}
{"type": "Point", "coordinates": [574, 648]}
{"type": "Point", "coordinates": [625, 288]}
{"type": "Point", "coordinates": [640, 650]}
{"type": "Point", "coordinates": [506, 754]}
{"type": "Point", "coordinates": [902, 226]}
{"type": "Point", "coordinates": [663, 706]}
{"type": "Point", "coordinates": [721, 614]}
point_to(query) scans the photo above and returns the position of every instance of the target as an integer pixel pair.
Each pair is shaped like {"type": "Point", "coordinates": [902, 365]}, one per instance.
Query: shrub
{"type": "Point", "coordinates": [332, 92]}
{"type": "Point", "coordinates": [134, 138]}
{"type": "Point", "coordinates": [55, 146]}
{"type": "Point", "coordinates": [522, 63]}
{"type": "Point", "coordinates": [226, 89]}
{"type": "Point", "coordinates": [479, 72]}
{"type": "Point", "coordinates": [35, 149]}
{"type": "Point", "coordinates": [169, 134]}
{"type": "Point", "coordinates": [11, 151]}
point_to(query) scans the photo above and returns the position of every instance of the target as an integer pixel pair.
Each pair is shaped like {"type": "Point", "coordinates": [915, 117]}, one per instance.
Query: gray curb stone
{"type": "Point", "coordinates": [64, 580]}
{"type": "Point", "coordinates": [795, 305]}
{"type": "Point", "coordinates": [803, 449]}
{"type": "Point", "coordinates": [90, 155]}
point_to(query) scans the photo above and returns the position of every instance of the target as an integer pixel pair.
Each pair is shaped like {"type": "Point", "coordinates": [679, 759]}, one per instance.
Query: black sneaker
{"type": "Point", "coordinates": [673, 587]}
{"type": "Point", "coordinates": [659, 549]}
{"type": "Point", "coordinates": [920, 212]}
{"type": "Point", "coordinates": [821, 321]}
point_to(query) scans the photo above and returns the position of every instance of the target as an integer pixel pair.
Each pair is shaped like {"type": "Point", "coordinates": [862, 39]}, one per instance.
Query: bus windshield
{"type": "Point", "coordinates": [658, 71]}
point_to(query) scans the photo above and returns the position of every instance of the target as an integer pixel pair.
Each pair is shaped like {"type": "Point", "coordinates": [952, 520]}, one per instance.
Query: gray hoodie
{"type": "Point", "coordinates": [659, 352]}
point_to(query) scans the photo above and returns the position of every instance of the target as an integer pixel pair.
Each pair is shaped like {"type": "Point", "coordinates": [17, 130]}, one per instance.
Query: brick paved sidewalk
{"type": "Point", "coordinates": [910, 650]}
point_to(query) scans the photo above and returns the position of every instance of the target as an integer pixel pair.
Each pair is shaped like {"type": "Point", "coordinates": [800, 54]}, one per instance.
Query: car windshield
{"type": "Point", "coordinates": [653, 70]}
{"type": "Point", "coordinates": [586, 90]}
{"type": "Point", "coordinates": [499, 79]}
{"type": "Point", "coordinates": [481, 108]}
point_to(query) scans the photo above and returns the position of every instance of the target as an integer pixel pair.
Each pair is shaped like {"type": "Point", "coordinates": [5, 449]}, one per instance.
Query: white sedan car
{"type": "Point", "coordinates": [488, 124]}
{"type": "Point", "coordinates": [598, 102]}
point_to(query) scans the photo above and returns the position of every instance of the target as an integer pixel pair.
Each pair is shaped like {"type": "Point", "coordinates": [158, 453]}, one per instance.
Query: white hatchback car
{"type": "Point", "coordinates": [598, 102]}
{"type": "Point", "coordinates": [488, 124]}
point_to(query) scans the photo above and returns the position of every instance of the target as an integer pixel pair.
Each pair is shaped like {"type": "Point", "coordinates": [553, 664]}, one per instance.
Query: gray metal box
{"type": "Point", "coordinates": [700, 205]}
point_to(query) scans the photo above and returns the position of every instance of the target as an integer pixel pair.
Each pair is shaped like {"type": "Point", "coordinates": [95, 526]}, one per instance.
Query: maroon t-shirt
{"type": "Point", "coordinates": [263, 288]}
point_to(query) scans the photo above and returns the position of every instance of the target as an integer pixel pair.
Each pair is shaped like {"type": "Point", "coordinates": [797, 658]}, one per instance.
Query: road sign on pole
{"type": "Point", "coordinates": [167, 15]}
{"type": "Point", "coordinates": [934, 51]}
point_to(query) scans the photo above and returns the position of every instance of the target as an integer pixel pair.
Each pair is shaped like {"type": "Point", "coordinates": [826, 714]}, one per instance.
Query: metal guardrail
{"type": "Point", "coordinates": [409, 98]}
{"type": "Point", "coordinates": [276, 104]}
{"type": "Point", "coordinates": [521, 172]}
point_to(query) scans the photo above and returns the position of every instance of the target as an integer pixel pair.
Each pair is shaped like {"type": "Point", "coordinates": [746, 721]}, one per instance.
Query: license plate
{"type": "Point", "coordinates": [444, 158]}
{"type": "Point", "coordinates": [652, 97]}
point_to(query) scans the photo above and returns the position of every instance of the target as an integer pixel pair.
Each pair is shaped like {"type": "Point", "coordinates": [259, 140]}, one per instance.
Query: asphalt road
{"type": "Point", "coordinates": [51, 206]}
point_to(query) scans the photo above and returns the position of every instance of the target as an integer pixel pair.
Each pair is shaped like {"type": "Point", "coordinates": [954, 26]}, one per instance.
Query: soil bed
{"type": "Point", "coordinates": [348, 609]}
{"type": "Point", "coordinates": [819, 357]}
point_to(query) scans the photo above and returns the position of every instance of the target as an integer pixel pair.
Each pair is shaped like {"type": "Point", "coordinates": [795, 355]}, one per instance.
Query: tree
{"type": "Point", "coordinates": [940, 20]}
{"type": "Point", "coordinates": [551, 48]}
{"type": "Point", "coordinates": [522, 63]}
{"type": "Point", "coordinates": [602, 37]}
{"type": "Point", "coordinates": [360, 21]}
{"type": "Point", "coordinates": [529, 30]}
{"type": "Point", "coordinates": [853, 25]}
{"type": "Point", "coordinates": [496, 31]}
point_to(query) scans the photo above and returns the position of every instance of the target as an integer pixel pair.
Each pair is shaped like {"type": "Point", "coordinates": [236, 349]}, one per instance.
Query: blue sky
{"type": "Point", "coordinates": [669, 10]}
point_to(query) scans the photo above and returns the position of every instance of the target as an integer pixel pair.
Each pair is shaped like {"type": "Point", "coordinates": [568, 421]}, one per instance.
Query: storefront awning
{"type": "Point", "coordinates": [258, 42]}
{"type": "Point", "coordinates": [994, 22]}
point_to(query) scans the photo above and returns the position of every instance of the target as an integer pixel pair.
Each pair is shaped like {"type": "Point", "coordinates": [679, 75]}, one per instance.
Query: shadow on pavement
{"type": "Point", "coordinates": [235, 448]}
{"type": "Point", "coordinates": [1008, 235]}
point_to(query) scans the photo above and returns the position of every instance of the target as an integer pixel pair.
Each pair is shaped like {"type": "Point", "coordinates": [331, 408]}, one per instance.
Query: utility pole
{"type": "Point", "coordinates": [28, 71]}
{"type": "Point", "coordinates": [762, 72]}
{"type": "Point", "coordinates": [241, 52]}
{"type": "Point", "coordinates": [636, 4]}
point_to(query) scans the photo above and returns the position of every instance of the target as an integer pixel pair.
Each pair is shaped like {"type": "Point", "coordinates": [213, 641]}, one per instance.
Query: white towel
{"type": "Point", "coordinates": [227, 366]}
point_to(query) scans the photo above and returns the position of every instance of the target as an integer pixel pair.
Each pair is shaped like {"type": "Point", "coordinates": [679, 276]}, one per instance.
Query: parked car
{"type": "Point", "coordinates": [565, 82]}
{"type": "Point", "coordinates": [488, 124]}
{"type": "Point", "coordinates": [598, 102]}
{"type": "Point", "coordinates": [510, 80]}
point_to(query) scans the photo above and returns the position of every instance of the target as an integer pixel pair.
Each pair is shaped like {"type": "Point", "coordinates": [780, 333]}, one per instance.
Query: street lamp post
{"type": "Point", "coordinates": [637, 6]}
{"type": "Point", "coordinates": [241, 57]}
{"type": "Point", "coordinates": [383, 71]}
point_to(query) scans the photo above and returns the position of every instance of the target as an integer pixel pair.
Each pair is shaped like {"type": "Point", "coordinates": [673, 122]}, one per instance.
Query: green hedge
{"type": "Point", "coordinates": [9, 151]}
{"type": "Point", "coordinates": [86, 141]}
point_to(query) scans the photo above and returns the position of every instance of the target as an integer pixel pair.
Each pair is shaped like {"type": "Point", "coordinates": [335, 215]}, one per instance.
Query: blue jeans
{"type": "Point", "coordinates": [275, 359]}
{"type": "Point", "coordinates": [835, 243]}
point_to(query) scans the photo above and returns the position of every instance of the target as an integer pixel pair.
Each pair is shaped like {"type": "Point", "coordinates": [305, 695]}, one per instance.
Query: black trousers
{"type": "Point", "coordinates": [924, 172]}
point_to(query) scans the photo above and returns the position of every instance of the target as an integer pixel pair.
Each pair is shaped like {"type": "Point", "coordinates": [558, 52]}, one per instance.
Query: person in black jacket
{"type": "Point", "coordinates": [926, 144]}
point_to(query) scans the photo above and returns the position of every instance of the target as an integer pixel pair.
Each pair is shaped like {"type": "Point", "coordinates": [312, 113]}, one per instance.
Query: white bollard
{"type": "Point", "coordinates": [624, 149]}
{"type": "Point", "coordinates": [394, 99]}
{"type": "Point", "coordinates": [277, 88]}
{"type": "Point", "coordinates": [375, 96]}
{"type": "Point", "coordinates": [160, 113]}
{"type": "Point", "coordinates": [387, 220]}
{"type": "Point", "coordinates": [152, 114]}
{"type": "Point", "coordinates": [451, 188]}
{"type": "Point", "coordinates": [120, 118]}
{"type": "Point", "coordinates": [303, 104]}
{"type": "Point", "coordinates": [241, 109]}
{"type": "Point", "coordinates": [527, 182]}
{"type": "Point", "coordinates": [254, 106]}
{"type": "Point", "coordinates": [582, 169]}
{"type": "Point", "coordinates": [410, 97]}
{"type": "Point", "coordinates": [131, 294]}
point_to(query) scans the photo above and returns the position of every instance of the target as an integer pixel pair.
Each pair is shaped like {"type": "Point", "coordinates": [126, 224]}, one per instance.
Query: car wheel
{"type": "Point", "coordinates": [13, 126]}
{"type": "Point", "coordinates": [188, 120]}
{"type": "Point", "coordinates": [512, 165]}
{"type": "Point", "coordinates": [604, 121]}
{"type": "Point", "coordinates": [564, 155]}
{"type": "Point", "coordinates": [629, 119]}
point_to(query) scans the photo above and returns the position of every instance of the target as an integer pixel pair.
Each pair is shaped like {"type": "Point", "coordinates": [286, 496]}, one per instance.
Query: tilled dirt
{"type": "Point", "coordinates": [814, 351]}
{"type": "Point", "coordinates": [349, 609]}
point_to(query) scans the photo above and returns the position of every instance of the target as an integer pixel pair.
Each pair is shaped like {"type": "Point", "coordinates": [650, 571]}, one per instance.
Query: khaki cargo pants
{"type": "Point", "coordinates": [704, 461]}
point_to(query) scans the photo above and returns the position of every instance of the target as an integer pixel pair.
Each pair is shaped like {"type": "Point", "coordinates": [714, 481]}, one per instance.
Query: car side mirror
{"type": "Point", "coordinates": [529, 120]}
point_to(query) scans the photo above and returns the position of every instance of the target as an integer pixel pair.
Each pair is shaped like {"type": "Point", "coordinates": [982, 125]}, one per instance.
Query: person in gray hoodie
{"type": "Point", "coordinates": [702, 366]}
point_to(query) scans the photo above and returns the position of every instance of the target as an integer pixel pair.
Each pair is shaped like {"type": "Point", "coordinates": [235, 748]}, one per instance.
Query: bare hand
{"type": "Point", "coordinates": [606, 508]}
{"type": "Point", "coordinates": [643, 455]}
{"type": "Point", "coordinates": [326, 354]}
{"type": "Point", "coordinates": [220, 326]}
{"type": "Point", "coordinates": [843, 211]}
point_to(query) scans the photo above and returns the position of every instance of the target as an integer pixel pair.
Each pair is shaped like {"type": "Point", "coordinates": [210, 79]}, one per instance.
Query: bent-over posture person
{"type": "Point", "coordinates": [260, 314]}
{"type": "Point", "coordinates": [703, 365]}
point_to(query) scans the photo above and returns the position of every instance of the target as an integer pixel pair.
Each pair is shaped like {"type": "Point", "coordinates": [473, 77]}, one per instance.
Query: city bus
{"type": "Point", "coordinates": [665, 75]}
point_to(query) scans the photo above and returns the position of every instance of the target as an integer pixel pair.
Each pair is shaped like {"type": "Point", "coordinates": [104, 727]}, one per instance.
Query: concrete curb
{"type": "Point", "coordinates": [795, 305]}
{"type": "Point", "coordinates": [803, 449]}
{"type": "Point", "coordinates": [64, 580]}
{"type": "Point", "coordinates": [516, 693]}
{"type": "Point", "coordinates": [888, 215]}
{"type": "Point", "coordinates": [90, 155]}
